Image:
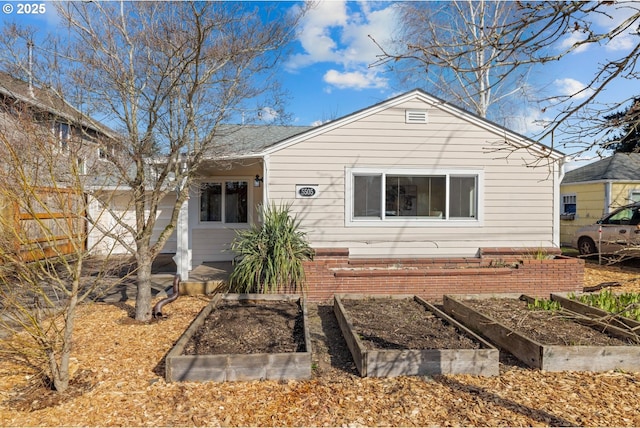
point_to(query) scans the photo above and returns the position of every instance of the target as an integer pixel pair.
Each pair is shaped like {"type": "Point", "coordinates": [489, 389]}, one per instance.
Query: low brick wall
{"type": "Point", "coordinates": [497, 270]}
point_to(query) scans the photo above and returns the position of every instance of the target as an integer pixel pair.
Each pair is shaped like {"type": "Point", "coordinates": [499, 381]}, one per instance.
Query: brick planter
{"type": "Point", "coordinates": [496, 270]}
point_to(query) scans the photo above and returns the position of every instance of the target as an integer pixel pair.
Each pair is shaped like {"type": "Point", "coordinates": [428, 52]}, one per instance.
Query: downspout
{"type": "Point", "coordinates": [607, 198]}
{"type": "Point", "coordinates": [556, 202]}
{"type": "Point", "coordinates": [265, 182]}
{"type": "Point", "coordinates": [157, 309]}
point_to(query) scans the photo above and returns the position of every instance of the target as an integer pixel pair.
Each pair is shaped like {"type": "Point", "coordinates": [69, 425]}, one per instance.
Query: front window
{"type": "Point", "coordinates": [224, 202]}
{"type": "Point", "coordinates": [391, 195]}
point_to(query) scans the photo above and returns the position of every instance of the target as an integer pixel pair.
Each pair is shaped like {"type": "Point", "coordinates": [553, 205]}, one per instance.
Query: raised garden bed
{"type": "Point", "coordinates": [597, 313]}
{"type": "Point", "coordinates": [548, 340]}
{"type": "Point", "coordinates": [404, 335]}
{"type": "Point", "coordinates": [244, 337]}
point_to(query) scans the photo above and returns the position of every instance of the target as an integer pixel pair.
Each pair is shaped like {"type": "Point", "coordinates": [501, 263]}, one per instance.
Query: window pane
{"type": "Point", "coordinates": [211, 202]}
{"type": "Point", "coordinates": [408, 196]}
{"type": "Point", "coordinates": [367, 197]}
{"type": "Point", "coordinates": [235, 202]}
{"type": "Point", "coordinates": [462, 197]}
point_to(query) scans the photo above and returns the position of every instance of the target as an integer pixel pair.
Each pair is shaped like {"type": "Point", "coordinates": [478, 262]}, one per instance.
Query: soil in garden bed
{"type": "Point", "coordinates": [543, 326]}
{"type": "Point", "coordinates": [403, 324]}
{"type": "Point", "coordinates": [250, 328]}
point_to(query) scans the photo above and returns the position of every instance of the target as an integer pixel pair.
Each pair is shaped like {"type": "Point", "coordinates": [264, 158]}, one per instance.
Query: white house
{"type": "Point", "coordinates": [412, 176]}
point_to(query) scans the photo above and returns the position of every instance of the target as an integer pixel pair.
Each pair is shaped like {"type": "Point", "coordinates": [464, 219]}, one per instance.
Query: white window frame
{"type": "Point", "coordinates": [222, 224]}
{"type": "Point", "coordinates": [478, 221]}
{"type": "Point", "coordinates": [632, 193]}
{"type": "Point", "coordinates": [63, 133]}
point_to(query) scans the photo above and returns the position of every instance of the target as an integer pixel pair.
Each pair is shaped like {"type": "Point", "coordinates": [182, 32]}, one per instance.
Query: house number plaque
{"type": "Point", "coordinates": [306, 191]}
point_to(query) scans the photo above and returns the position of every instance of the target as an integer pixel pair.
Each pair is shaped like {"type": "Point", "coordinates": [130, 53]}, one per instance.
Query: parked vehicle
{"type": "Point", "coordinates": [616, 232]}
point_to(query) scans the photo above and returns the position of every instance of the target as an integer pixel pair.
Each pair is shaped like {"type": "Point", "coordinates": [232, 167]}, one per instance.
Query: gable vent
{"type": "Point", "coordinates": [415, 116]}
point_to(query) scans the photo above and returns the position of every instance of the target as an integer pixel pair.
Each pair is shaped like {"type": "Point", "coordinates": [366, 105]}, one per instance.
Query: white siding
{"type": "Point", "coordinates": [517, 200]}
{"type": "Point", "coordinates": [121, 207]}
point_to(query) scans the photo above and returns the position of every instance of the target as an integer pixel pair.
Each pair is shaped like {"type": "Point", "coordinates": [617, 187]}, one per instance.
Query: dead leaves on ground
{"type": "Point", "coordinates": [123, 363]}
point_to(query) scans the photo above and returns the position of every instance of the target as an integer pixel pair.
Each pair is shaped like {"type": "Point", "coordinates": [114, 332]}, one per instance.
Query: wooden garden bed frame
{"type": "Point", "coordinates": [239, 367]}
{"type": "Point", "coordinates": [597, 313]}
{"type": "Point", "coordinates": [415, 362]}
{"type": "Point", "coordinates": [544, 356]}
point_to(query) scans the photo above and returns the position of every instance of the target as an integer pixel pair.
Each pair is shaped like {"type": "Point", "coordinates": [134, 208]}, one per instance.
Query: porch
{"type": "Point", "coordinates": [206, 278]}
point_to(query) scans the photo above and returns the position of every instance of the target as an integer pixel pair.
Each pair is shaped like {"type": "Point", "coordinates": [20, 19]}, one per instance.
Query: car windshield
{"type": "Point", "coordinates": [626, 215]}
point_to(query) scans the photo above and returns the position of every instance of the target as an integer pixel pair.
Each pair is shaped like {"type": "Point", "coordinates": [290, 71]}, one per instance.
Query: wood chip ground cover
{"type": "Point", "coordinates": [402, 324]}
{"type": "Point", "coordinates": [120, 366]}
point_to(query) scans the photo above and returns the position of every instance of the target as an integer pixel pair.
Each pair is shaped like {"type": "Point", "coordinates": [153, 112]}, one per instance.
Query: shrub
{"type": "Point", "coordinates": [269, 256]}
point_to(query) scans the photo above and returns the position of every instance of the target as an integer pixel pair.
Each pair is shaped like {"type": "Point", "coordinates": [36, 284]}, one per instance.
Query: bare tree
{"type": "Point", "coordinates": [485, 56]}
{"type": "Point", "coordinates": [452, 47]}
{"type": "Point", "coordinates": [165, 75]}
{"type": "Point", "coordinates": [45, 154]}
{"type": "Point", "coordinates": [545, 27]}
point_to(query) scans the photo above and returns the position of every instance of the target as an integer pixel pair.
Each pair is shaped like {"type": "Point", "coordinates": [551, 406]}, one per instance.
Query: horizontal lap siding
{"type": "Point", "coordinates": [211, 245]}
{"type": "Point", "coordinates": [518, 200]}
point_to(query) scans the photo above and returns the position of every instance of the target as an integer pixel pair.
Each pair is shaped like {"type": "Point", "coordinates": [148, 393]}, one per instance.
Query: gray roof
{"type": "Point", "coordinates": [246, 140]}
{"type": "Point", "coordinates": [46, 99]}
{"type": "Point", "coordinates": [619, 167]}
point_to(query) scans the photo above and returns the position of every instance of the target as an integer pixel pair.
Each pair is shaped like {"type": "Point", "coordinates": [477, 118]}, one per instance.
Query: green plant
{"type": "Point", "coordinates": [539, 253]}
{"type": "Point", "coordinates": [270, 256]}
{"type": "Point", "coordinates": [545, 305]}
{"type": "Point", "coordinates": [625, 304]}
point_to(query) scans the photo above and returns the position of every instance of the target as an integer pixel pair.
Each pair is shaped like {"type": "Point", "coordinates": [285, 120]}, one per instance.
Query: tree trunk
{"type": "Point", "coordinates": [143, 296]}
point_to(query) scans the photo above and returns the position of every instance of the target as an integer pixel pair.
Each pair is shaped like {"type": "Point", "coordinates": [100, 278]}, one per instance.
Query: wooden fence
{"type": "Point", "coordinates": [49, 222]}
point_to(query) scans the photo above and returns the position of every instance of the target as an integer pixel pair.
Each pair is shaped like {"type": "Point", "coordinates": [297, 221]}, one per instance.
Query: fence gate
{"type": "Point", "coordinates": [50, 222]}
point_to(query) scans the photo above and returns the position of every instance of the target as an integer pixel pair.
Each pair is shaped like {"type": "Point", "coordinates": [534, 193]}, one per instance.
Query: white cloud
{"type": "Point", "coordinates": [623, 42]}
{"type": "Point", "coordinates": [337, 32]}
{"type": "Point", "coordinates": [316, 35]}
{"type": "Point", "coordinates": [530, 122]}
{"type": "Point", "coordinates": [614, 16]}
{"type": "Point", "coordinates": [572, 88]}
{"type": "Point", "coordinates": [573, 38]}
{"type": "Point", "coordinates": [354, 80]}
{"type": "Point", "coordinates": [267, 114]}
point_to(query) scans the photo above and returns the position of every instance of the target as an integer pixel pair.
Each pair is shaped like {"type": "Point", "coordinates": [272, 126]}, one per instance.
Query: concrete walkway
{"type": "Point", "coordinates": [208, 276]}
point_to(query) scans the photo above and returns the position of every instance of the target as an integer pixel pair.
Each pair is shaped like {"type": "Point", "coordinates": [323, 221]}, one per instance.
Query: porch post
{"type": "Point", "coordinates": [183, 253]}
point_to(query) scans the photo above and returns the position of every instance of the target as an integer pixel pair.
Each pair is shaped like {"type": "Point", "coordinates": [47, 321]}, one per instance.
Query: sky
{"type": "Point", "coordinates": [332, 55]}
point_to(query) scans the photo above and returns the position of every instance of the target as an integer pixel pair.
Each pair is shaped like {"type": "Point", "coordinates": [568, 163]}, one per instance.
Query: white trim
{"type": "Point", "coordinates": [631, 193]}
{"type": "Point", "coordinates": [265, 182]}
{"type": "Point", "coordinates": [577, 183]}
{"type": "Point", "coordinates": [478, 221]}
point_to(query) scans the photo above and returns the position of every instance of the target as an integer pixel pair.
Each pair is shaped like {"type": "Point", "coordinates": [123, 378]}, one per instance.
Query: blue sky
{"type": "Point", "coordinates": [329, 76]}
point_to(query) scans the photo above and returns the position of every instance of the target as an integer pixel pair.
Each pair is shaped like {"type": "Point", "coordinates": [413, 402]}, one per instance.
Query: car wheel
{"type": "Point", "coordinates": [586, 246]}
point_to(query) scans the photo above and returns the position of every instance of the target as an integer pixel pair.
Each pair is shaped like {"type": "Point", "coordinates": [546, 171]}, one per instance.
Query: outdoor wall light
{"type": "Point", "coordinates": [257, 181]}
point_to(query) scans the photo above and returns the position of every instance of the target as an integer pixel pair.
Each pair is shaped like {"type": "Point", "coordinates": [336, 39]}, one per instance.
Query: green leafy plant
{"type": "Point", "coordinates": [269, 257]}
{"type": "Point", "coordinates": [625, 304]}
{"type": "Point", "coordinates": [545, 305]}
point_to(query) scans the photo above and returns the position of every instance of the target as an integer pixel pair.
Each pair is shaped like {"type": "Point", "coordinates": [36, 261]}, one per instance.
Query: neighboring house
{"type": "Point", "coordinates": [412, 176]}
{"type": "Point", "coordinates": [594, 190]}
{"type": "Point", "coordinates": [40, 126]}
